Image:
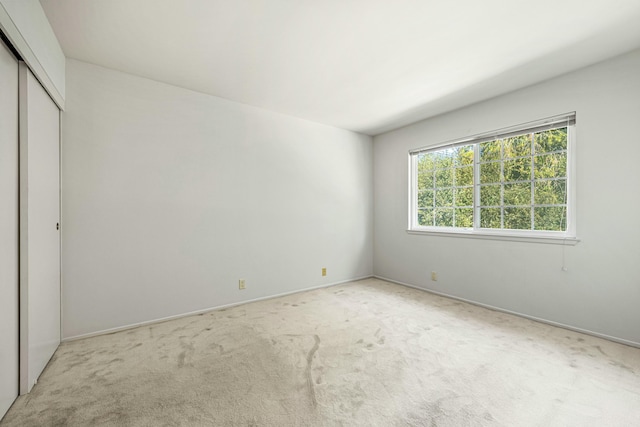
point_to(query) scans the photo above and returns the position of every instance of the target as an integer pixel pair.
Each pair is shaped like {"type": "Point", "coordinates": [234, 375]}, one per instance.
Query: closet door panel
{"type": "Point", "coordinates": [39, 234]}
{"type": "Point", "coordinates": [9, 275]}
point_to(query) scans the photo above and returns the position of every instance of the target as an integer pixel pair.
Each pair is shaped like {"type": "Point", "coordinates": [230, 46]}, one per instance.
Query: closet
{"type": "Point", "coordinates": [29, 228]}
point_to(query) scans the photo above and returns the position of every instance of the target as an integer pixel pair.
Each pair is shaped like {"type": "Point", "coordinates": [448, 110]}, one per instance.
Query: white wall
{"type": "Point", "coordinates": [600, 292]}
{"type": "Point", "coordinates": [26, 26]}
{"type": "Point", "coordinates": [170, 196]}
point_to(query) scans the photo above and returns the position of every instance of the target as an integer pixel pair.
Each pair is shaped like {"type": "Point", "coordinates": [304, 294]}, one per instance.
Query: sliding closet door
{"type": "Point", "coordinates": [8, 229]}
{"type": "Point", "coordinates": [39, 233]}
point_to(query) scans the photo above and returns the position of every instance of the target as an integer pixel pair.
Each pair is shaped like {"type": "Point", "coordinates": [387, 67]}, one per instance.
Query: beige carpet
{"type": "Point", "coordinates": [367, 353]}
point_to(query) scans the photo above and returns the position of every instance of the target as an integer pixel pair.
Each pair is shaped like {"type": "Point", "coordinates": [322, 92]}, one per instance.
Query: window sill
{"type": "Point", "coordinates": [548, 239]}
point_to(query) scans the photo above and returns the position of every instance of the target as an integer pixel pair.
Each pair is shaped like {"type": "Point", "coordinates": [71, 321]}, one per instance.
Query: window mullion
{"type": "Point", "coordinates": [433, 198]}
{"type": "Point", "coordinates": [501, 184]}
{"type": "Point", "coordinates": [476, 186]}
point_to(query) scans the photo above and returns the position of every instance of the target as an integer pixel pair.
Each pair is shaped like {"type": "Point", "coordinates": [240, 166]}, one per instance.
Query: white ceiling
{"type": "Point", "coordinates": [364, 65]}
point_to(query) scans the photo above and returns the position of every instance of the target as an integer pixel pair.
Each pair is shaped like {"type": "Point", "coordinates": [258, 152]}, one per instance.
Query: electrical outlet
{"type": "Point", "coordinates": [324, 271]}
{"type": "Point", "coordinates": [241, 284]}
{"type": "Point", "coordinates": [434, 276]}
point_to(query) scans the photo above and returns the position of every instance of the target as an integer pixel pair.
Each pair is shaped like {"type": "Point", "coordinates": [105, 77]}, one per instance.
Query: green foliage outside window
{"type": "Point", "coordinates": [445, 188]}
{"type": "Point", "coordinates": [522, 184]}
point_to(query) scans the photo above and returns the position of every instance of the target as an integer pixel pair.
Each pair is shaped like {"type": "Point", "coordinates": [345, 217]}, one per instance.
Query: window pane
{"type": "Point", "coordinates": [464, 196]}
{"type": "Point", "coordinates": [464, 218]}
{"type": "Point", "coordinates": [490, 172]}
{"type": "Point", "coordinates": [444, 159]}
{"type": "Point", "coordinates": [444, 178]}
{"type": "Point", "coordinates": [551, 166]}
{"type": "Point", "coordinates": [425, 162]}
{"type": "Point", "coordinates": [464, 155]}
{"type": "Point", "coordinates": [425, 181]}
{"type": "Point", "coordinates": [425, 199]}
{"type": "Point", "coordinates": [444, 197]}
{"type": "Point", "coordinates": [517, 170]}
{"type": "Point", "coordinates": [444, 217]}
{"type": "Point", "coordinates": [517, 194]}
{"type": "Point", "coordinates": [425, 217]}
{"type": "Point", "coordinates": [550, 218]}
{"type": "Point", "coordinates": [551, 140]}
{"type": "Point", "coordinates": [517, 146]}
{"type": "Point", "coordinates": [490, 217]}
{"type": "Point", "coordinates": [517, 218]}
{"type": "Point", "coordinates": [550, 192]}
{"type": "Point", "coordinates": [490, 151]}
{"type": "Point", "coordinates": [490, 195]}
{"type": "Point", "coordinates": [464, 176]}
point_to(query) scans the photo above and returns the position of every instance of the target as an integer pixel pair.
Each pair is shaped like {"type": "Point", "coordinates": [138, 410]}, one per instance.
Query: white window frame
{"type": "Point", "coordinates": [567, 237]}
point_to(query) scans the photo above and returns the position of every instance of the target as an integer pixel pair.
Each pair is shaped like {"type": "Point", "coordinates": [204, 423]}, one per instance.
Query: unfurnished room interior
{"type": "Point", "coordinates": [319, 213]}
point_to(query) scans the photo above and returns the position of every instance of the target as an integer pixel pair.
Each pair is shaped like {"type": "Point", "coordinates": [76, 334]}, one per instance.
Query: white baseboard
{"type": "Point", "coordinates": [515, 313]}
{"type": "Point", "coordinates": [205, 310]}
{"type": "Point", "coordinates": [386, 279]}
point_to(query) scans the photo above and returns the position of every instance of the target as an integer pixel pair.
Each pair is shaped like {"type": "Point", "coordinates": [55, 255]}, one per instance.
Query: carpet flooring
{"type": "Point", "coordinates": [366, 353]}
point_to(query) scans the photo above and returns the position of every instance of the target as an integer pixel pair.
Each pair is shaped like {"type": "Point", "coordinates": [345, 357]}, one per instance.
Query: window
{"type": "Point", "coordinates": [512, 182]}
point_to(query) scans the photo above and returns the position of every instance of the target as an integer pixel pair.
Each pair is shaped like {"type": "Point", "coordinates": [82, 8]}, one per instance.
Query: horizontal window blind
{"type": "Point", "coordinates": [554, 122]}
